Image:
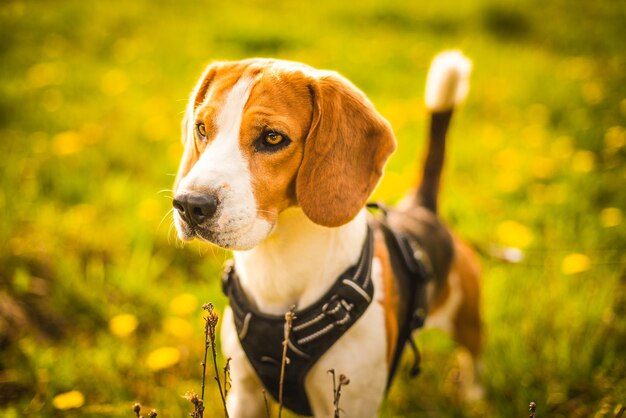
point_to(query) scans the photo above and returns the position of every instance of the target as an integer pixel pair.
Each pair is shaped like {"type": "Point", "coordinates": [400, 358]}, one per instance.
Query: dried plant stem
{"type": "Point", "coordinates": [137, 411]}
{"type": "Point", "coordinates": [343, 381]}
{"type": "Point", "coordinates": [206, 352]}
{"type": "Point", "coordinates": [198, 404]}
{"type": "Point", "coordinates": [620, 413]}
{"type": "Point", "coordinates": [289, 316]}
{"type": "Point", "coordinates": [267, 404]}
{"type": "Point", "coordinates": [531, 408]}
{"type": "Point", "coordinates": [210, 326]}
{"type": "Point", "coordinates": [227, 381]}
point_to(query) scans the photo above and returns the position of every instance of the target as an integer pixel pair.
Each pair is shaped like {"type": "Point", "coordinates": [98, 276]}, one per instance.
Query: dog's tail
{"type": "Point", "coordinates": [447, 86]}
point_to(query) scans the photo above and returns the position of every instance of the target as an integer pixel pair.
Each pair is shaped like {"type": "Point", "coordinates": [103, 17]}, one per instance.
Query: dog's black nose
{"type": "Point", "coordinates": [195, 208]}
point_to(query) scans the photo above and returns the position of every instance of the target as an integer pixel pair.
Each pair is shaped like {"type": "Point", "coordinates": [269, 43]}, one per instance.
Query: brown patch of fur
{"type": "Point", "coordinates": [390, 294]}
{"type": "Point", "coordinates": [279, 102]}
{"type": "Point", "coordinates": [442, 295]}
{"type": "Point", "coordinates": [344, 154]}
{"type": "Point", "coordinates": [467, 325]}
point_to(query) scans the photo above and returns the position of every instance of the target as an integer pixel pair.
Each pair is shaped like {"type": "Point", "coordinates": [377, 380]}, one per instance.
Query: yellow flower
{"type": "Point", "coordinates": [68, 400]}
{"type": "Point", "coordinates": [615, 137]}
{"type": "Point", "coordinates": [508, 181]}
{"type": "Point", "coordinates": [575, 263]}
{"type": "Point", "coordinates": [123, 325]}
{"type": "Point", "coordinates": [593, 92]}
{"type": "Point", "coordinates": [583, 161]}
{"type": "Point", "coordinates": [514, 234]}
{"type": "Point", "coordinates": [184, 304]}
{"type": "Point", "coordinates": [114, 82]}
{"type": "Point", "coordinates": [610, 217]}
{"type": "Point", "coordinates": [543, 168]}
{"type": "Point", "coordinates": [508, 159]}
{"type": "Point", "coordinates": [162, 358]}
{"type": "Point", "coordinates": [178, 327]}
{"type": "Point", "coordinates": [66, 143]}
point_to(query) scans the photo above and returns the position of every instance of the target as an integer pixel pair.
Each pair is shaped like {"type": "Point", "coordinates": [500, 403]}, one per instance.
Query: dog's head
{"type": "Point", "coordinates": [263, 135]}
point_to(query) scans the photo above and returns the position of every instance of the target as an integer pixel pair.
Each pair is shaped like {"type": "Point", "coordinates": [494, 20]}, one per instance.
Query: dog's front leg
{"type": "Point", "coordinates": [245, 398]}
{"type": "Point", "coordinates": [360, 354]}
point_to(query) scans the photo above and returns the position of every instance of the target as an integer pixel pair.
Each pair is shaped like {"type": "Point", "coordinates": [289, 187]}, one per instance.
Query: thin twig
{"type": "Point", "coordinates": [198, 404]}
{"type": "Point", "coordinates": [267, 404]}
{"type": "Point", "coordinates": [332, 372]}
{"type": "Point", "coordinates": [289, 316]}
{"type": "Point", "coordinates": [137, 411]}
{"type": "Point", "coordinates": [620, 413]}
{"type": "Point", "coordinates": [531, 408]}
{"type": "Point", "coordinates": [343, 381]}
{"type": "Point", "coordinates": [206, 352]}
{"type": "Point", "coordinates": [211, 324]}
{"type": "Point", "coordinates": [227, 381]}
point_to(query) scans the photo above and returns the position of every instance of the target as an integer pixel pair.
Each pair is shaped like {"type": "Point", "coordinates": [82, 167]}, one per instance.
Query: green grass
{"type": "Point", "coordinates": [91, 97]}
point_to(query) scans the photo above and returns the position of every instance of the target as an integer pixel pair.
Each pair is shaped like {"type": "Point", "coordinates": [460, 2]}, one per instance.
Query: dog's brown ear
{"type": "Point", "coordinates": [190, 153]}
{"type": "Point", "coordinates": [344, 154]}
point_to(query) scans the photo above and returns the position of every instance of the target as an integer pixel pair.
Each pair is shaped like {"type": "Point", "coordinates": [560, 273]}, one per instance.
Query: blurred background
{"type": "Point", "coordinates": [100, 305]}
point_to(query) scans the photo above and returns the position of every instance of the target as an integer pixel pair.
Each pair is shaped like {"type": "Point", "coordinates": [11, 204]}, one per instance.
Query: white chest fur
{"type": "Point", "coordinates": [299, 261]}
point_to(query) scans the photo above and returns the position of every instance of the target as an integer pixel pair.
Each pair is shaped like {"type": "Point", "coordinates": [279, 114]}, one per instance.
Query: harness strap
{"type": "Point", "coordinates": [412, 272]}
{"type": "Point", "coordinates": [314, 329]}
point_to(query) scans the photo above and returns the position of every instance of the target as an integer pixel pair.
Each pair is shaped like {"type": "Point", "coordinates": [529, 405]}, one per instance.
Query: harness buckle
{"type": "Point", "coordinates": [338, 309]}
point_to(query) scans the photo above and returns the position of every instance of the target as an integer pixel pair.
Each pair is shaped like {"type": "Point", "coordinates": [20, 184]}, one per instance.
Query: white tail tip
{"type": "Point", "coordinates": [448, 81]}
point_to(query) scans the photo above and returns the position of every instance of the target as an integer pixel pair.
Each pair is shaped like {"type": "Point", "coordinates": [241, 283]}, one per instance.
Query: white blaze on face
{"type": "Point", "coordinates": [223, 171]}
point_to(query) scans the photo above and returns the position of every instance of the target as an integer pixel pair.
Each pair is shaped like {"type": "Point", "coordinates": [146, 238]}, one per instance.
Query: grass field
{"type": "Point", "coordinates": [101, 307]}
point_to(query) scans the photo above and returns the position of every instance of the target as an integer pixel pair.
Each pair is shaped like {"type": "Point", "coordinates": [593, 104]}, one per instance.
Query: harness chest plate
{"type": "Point", "coordinates": [314, 329]}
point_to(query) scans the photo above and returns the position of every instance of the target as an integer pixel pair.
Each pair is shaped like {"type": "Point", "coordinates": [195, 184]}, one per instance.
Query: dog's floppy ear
{"type": "Point", "coordinates": [344, 154]}
{"type": "Point", "coordinates": [190, 153]}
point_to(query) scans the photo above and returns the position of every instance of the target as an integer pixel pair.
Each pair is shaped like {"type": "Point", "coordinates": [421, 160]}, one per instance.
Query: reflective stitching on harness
{"type": "Point", "coordinates": [309, 323]}
{"type": "Point", "coordinates": [295, 350]}
{"type": "Point", "coordinates": [333, 311]}
{"type": "Point", "coordinates": [317, 334]}
{"type": "Point", "coordinates": [246, 324]}
{"type": "Point", "coordinates": [423, 257]}
{"type": "Point", "coordinates": [360, 267]}
{"type": "Point", "coordinates": [358, 289]}
{"type": "Point", "coordinates": [346, 305]}
{"type": "Point", "coordinates": [343, 320]}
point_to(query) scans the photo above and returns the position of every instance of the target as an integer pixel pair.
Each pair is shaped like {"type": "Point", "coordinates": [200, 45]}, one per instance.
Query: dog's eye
{"type": "Point", "coordinates": [201, 130]}
{"type": "Point", "coordinates": [273, 138]}
{"type": "Point", "coordinates": [271, 141]}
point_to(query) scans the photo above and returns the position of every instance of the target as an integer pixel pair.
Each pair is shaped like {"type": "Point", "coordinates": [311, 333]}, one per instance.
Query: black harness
{"type": "Point", "coordinates": [316, 328]}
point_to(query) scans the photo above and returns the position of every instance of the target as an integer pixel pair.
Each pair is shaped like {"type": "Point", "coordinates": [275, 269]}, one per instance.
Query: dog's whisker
{"type": "Point", "coordinates": [260, 211]}
{"type": "Point", "coordinates": [171, 211]}
{"type": "Point", "coordinates": [171, 229]}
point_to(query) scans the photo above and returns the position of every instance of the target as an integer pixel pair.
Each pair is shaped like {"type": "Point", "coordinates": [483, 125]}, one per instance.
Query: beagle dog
{"type": "Point", "coordinates": [279, 161]}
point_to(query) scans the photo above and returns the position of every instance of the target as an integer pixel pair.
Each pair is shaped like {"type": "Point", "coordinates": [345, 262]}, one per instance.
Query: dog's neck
{"type": "Point", "coordinates": [299, 261]}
